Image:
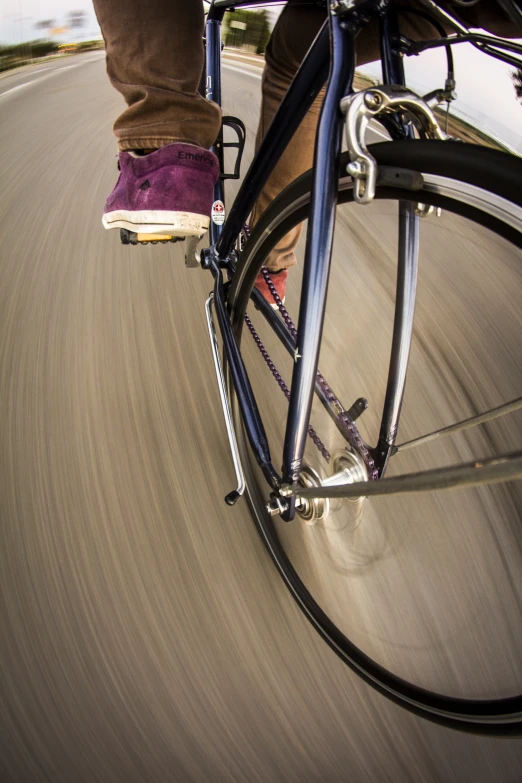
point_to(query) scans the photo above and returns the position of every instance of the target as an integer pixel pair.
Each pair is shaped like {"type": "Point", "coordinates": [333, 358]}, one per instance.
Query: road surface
{"type": "Point", "coordinates": [146, 637]}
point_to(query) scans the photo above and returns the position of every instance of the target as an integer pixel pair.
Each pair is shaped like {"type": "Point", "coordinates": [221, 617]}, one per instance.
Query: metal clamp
{"type": "Point", "coordinates": [368, 104]}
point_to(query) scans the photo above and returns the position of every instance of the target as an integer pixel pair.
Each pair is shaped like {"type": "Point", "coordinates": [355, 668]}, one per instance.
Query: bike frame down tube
{"type": "Point", "coordinates": [213, 93]}
{"type": "Point", "coordinates": [299, 98]}
{"type": "Point", "coordinates": [341, 31]}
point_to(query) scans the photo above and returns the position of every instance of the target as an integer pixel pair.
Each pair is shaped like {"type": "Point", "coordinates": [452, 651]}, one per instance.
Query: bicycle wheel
{"type": "Point", "coordinates": [420, 595]}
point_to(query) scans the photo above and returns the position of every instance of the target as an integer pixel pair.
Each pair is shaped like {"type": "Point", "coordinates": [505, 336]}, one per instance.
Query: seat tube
{"type": "Point", "coordinates": [319, 241]}
{"type": "Point", "coordinates": [213, 93]}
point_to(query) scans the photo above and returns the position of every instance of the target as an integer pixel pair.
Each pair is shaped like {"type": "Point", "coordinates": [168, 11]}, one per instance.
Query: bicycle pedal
{"type": "Point", "coordinates": [132, 238]}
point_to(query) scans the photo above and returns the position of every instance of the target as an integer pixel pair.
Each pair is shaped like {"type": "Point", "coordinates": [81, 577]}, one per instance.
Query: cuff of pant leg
{"type": "Point", "coordinates": [282, 265]}
{"type": "Point", "coordinates": [150, 143]}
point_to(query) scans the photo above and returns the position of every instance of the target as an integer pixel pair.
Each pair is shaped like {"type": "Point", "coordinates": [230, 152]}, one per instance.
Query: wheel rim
{"type": "Point", "coordinates": [484, 715]}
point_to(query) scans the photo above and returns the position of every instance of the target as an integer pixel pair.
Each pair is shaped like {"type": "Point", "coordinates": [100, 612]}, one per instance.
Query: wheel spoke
{"type": "Point", "coordinates": [465, 424]}
{"type": "Point", "coordinates": [470, 474]}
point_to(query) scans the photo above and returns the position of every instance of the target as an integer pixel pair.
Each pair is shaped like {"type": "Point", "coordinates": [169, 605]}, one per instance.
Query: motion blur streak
{"type": "Point", "coordinates": [146, 636]}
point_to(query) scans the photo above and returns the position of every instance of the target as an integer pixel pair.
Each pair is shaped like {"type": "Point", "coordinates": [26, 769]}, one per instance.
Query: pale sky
{"type": "Point", "coordinates": [485, 92]}
{"type": "Point", "coordinates": [19, 16]}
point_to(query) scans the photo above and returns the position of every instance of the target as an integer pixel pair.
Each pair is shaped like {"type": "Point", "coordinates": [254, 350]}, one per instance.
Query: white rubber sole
{"type": "Point", "coordinates": [174, 224]}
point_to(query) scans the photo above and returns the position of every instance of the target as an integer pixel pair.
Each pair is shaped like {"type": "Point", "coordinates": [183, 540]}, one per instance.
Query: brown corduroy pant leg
{"type": "Point", "coordinates": [155, 59]}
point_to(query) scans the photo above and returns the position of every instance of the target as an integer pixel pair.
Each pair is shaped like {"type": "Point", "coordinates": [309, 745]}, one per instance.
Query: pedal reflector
{"type": "Point", "coordinates": [154, 237]}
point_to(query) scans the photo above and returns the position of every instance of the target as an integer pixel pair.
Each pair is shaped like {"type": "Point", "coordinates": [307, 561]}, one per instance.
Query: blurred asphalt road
{"type": "Point", "coordinates": [145, 635]}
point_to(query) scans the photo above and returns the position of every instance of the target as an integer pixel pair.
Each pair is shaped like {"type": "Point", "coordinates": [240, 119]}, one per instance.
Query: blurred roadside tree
{"type": "Point", "coordinates": [13, 56]}
{"type": "Point", "coordinates": [76, 19]}
{"type": "Point", "coordinates": [247, 30]}
{"type": "Point", "coordinates": [45, 24]}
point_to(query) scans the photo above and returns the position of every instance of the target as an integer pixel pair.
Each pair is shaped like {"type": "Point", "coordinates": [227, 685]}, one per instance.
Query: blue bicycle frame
{"type": "Point", "coordinates": [333, 52]}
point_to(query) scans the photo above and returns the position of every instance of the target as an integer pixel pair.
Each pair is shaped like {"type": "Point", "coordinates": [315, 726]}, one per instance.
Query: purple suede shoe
{"type": "Point", "coordinates": [170, 191]}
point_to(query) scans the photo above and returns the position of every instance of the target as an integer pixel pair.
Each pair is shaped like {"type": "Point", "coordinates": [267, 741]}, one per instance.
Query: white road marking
{"type": "Point", "coordinates": [39, 70]}
{"type": "Point", "coordinates": [241, 56]}
{"type": "Point", "coordinates": [14, 89]}
{"type": "Point", "coordinates": [243, 71]}
{"type": "Point", "coordinates": [47, 76]}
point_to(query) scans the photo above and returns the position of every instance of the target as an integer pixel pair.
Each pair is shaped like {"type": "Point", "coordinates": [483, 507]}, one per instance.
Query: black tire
{"type": "Point", "coordinates": [494, 173]}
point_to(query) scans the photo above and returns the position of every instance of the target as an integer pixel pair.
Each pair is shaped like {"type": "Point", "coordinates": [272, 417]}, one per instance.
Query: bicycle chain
{"type": "Point", "coordinates": [284, 388]}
